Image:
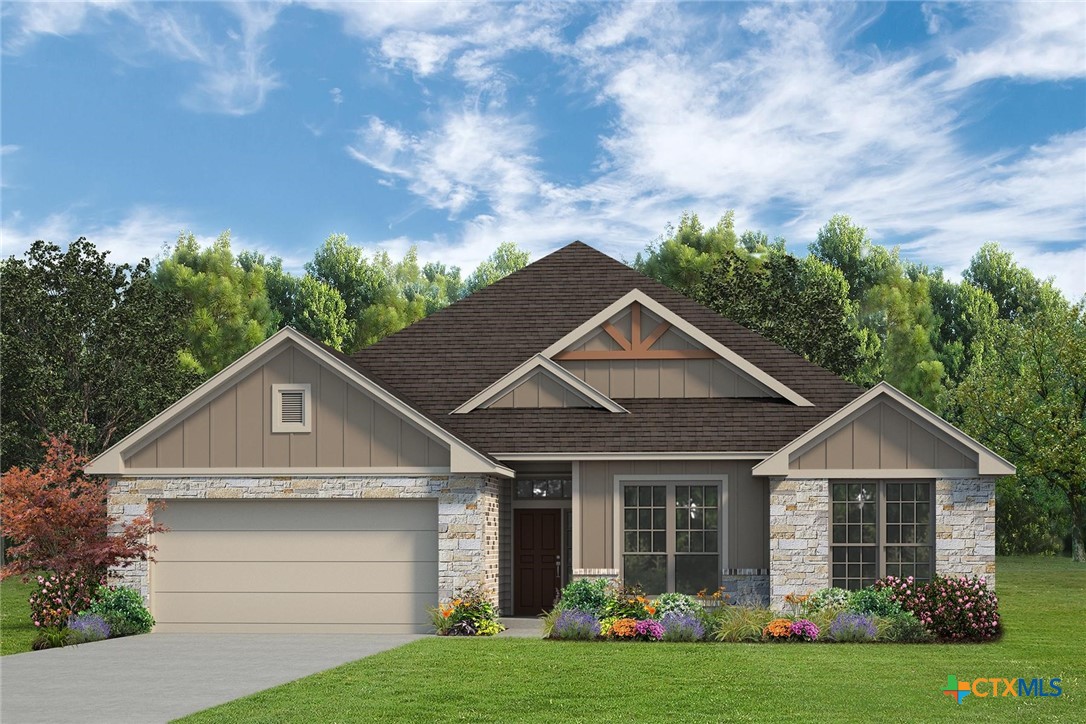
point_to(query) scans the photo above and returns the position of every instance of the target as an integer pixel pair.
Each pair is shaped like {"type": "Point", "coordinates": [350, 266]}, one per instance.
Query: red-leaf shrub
{"type": "Point", "coordinates": [954, 609]}
{"type": "Point", "coordinates": [58, 598]}
{"type": "Point", "coordinates": [58, 520]}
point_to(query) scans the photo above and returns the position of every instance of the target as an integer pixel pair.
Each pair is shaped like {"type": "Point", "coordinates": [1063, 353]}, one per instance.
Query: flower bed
{"type": "Point", "coordinates": [893, 610]}
{"type": "Point", "coordinates": [68, 610]}
{"type": "Point", "coordinates": [469, 614]}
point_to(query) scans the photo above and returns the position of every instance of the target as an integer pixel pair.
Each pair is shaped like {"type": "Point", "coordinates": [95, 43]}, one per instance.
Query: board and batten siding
{"type": "Point", "coordinates": [541, 390]}
{"type": "Point", "coordinates": [748, 508]}
{"type": "Point", "coordinates": [350, 428]}
{"type": "Point", "coordinates": [883, 438]}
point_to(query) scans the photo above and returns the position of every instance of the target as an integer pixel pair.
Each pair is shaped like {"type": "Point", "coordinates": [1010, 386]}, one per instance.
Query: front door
{"type": "Point", "coordinates": [537, 549]}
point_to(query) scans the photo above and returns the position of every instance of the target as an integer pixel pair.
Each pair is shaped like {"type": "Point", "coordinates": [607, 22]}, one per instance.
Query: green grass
{"type": "Point", "coordinates": [16, 631]}
{"type": "Point", "coordinates": [1043, 602]}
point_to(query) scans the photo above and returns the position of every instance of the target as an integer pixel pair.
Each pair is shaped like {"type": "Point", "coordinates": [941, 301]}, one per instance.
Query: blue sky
{"type": "Point", "coordinates": [458, 126]}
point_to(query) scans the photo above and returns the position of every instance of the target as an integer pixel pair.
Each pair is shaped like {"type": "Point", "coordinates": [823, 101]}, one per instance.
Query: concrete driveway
{"type": "Point", "coordinates": [158, 677]}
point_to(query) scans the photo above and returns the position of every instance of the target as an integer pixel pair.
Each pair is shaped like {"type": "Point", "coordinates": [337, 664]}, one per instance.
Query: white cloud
{"type": "Point", "coordinates": [27, 21]}
{"type": "Point", "coordinates": [8, 148]}
{"type": "Point", "coordinates": [1035, 41]}
{"type": "Point", "coordinates": [473, 155]}
{"type": "Point", "coordinates": [337, 96]}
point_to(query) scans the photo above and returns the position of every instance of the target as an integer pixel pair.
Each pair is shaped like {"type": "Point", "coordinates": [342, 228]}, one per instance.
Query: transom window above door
{"type": "Point", "coordinates": [671, 534]}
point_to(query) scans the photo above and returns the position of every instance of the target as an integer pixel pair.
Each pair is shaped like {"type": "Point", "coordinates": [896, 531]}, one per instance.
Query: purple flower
{"type": "Point", "coordinates": [805, 629]}
{"type": "Point", "coordinates": [682, 627]}
{"type": "Point", "coordinates": [573, 624]}
{"type": "Point", "coordinates": [650, 630]}
{"type": "Point", "coordinates": [89, 627]}
{"type": "Point", "coordinates": [853, 627]}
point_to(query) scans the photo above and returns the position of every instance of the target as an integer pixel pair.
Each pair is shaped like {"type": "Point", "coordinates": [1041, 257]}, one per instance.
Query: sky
{"type": "Point", "coordinates": [454, 127]}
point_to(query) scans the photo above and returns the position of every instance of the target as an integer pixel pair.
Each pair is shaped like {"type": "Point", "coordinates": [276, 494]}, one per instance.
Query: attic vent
{"type": "Point", "coordinates": [291, 408]}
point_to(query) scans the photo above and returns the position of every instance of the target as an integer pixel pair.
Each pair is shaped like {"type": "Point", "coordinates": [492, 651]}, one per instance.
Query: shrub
{"type": "Point", "coordinates": [624, 628]}
{"type": "Point", "coordinates": [954, 609]}
{"type": "Point", "coordinates": [87, 627]}
{"type": "Point", "coordinates": [678, 603]}
{"type": "Point", "coordinates": [804, 630]}
{"type": "Point", "coordinates": [740, 623]}
{"type": "Point", "coordinates": [777, 629]}
{"type": "Point", "coordinates": [853, 627]}
{"type": "Point", "coordinates": [680, 626]}
{"type": "Point", "coordinates": [629, 602]}
{"type": "Point", "coordinates": [589, 595]}
{"type": "Point", "coordinates": [649, 630]}
{"type": "Point", "coordinates": [52, 637]}
{"type": "Point", "coordinates": [873, 601]}
{"type": "Point", "coordinates": [472, 614]}
{"type": "Point", "coordinates": [827, 598]}
{"type": "Point", "coordinates": [903, 628]}
{"type": "Point", "coordinates": [548, 620]}
{"type": "Point", "coordinates": [58, 597]}
{"type": "Point", "coordinates": [574, 625]}
{"type": "Point", "coordinates": [123, 609]}
{"type": "Point", "coordinates": [606, 624]}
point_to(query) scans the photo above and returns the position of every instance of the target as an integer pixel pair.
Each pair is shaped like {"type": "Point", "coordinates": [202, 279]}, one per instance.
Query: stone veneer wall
{"type": "Point", "coordinates": [747, 587]}
{"type": "Point", "coordinates": [467, 514]}
{"type": "Point", "coordinates": [965, 528]}
{"type": "Point", "coordinates": [799, 537]}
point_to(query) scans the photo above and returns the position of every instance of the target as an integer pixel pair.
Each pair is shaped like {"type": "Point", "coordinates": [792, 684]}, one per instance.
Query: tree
{"type": "Point", "coordinates": [802, 305]}
{"type": "Point", "coordinates": [505, 260]}
{"type": "Point", "coordinates": [847, 247]}
{"type": "Point", "coordinates": [91, 349]}
{"type": "Point", "coordinates": [59, 519]}
{"type": "Point", "coordinates": [685, 256]}
{"type": "Point", "coordinates": [345, 268]}
{"type": "Point", "coordinates": [230, 309]}
{"type": "Point", "coordinates": [1015, 290]}
{"type": "Point", "coordinates": [1025, 396]}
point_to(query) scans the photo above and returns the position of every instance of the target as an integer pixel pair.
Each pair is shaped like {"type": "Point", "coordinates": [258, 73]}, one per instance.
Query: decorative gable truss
{"type": "Point", "coordinates": [635, 348]}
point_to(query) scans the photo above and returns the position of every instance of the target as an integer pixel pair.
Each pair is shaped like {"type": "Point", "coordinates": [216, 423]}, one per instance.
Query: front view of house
{"type": "Point", "coordinates": [574, 419]}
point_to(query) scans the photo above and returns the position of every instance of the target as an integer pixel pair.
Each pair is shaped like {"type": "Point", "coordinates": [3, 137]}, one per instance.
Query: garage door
{"type": "Point", "coordinates": [363, 566]}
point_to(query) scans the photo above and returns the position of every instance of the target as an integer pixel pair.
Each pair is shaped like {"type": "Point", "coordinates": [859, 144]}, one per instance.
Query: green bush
{"type": "Point", "coordinates": [740, 623]}
{"type": "Point", "coordinates": [679, 603]}
{"type": "Point", "coordinates": [590, 595]}
{"type": "Point", "coordinates": [629, 602]}
{"type": "Point", "coordinates": [873, 602]}
{"type": "Point", "coordinates": [123, 609]}
{"type": "Point", "coordinates": [903, 627]}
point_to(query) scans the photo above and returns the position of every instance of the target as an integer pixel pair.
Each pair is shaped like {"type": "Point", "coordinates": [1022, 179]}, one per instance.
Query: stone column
{"type": "Point", "coordinates": [799, 537]}
{"type": "Point", "coordinates": [965, 528]}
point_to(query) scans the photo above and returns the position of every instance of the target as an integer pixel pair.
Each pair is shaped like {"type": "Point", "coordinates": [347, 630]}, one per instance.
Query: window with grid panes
{"type": "Point", "coordinates": [683, 556]}
{"type": "Point", "coordinates": [867, 544]}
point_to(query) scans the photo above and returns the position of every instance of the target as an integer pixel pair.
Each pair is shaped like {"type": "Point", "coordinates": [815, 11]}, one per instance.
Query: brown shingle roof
{"type": "Point", "coordinates": [443, 360]}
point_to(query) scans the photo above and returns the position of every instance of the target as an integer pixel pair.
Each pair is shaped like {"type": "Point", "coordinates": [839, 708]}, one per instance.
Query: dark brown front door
{"type": "Point", "coordinates": [537, 546]}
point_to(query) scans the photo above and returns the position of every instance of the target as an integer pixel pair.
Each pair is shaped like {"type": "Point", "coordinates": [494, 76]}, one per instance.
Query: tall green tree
{"type": "Point", "coordinates": [91, 349]}
{"type": "Point", "coordinates": [801, 304]}
{"type": "Point", "coordinates": [847, 247]}
{"type": "Point", "coordinates": [1015, 289]}
{"type": "Point", "coordinates": [505, 260]}
{"type": "Point", "coordinates": [685, 256]}
{"type": "Point", "coordinates": [1025, 396]}
{"type": "Point", "coordinates": [230, 309]}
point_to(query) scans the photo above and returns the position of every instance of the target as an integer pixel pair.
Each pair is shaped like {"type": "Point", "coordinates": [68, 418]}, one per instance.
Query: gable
{"type": "Point", "coordinates": [636, 334]}
{"type": "Point", "coordinates": [349, 423]}
{"type": "Point", "coordinates": [234, 429]}
{"type": "Point", "coordinates": [541, 389]}
{"type": "Point", "coordinates": [884, 432]}
{"type": "Point", "coordinates": [636, 354]}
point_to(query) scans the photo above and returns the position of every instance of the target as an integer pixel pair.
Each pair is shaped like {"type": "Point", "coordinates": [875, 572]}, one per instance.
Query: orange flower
{"type": "Point", "coordinates": [457, 602]}
{"type": "Point", "coordinates": [446, 612]}
{"type": "Point", "coordinates": [624, 628]}
{"type": "Point", "coordinates": [651, 610]}
{"type": "Point", "coordinates": [779, 628]}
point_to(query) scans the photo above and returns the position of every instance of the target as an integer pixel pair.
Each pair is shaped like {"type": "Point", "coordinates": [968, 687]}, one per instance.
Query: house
{"type": "Point", "coordinates": [574, 419]}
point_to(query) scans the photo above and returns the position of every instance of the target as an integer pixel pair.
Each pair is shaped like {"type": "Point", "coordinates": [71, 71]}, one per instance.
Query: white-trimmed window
{"type": "Point", "coordinates": [292, 408]}
{"type": "Point", "coordinates": [672, 532]}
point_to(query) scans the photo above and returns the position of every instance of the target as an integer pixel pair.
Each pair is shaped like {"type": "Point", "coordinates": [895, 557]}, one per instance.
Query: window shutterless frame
{"type": "Point", "coordinates": [895, 536]}
{"type": "Point", "coordinates": [670, 483]}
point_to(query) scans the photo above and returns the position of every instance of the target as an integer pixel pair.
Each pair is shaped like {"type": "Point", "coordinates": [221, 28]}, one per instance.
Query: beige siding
{"type": "Point", "coordinates": [883, 437]}
{"type": "Point", "coordinates": [664, 378]}
{"type": "Point", "coordinates": [541, 390]}
{"type": "Point", "coordinates": [748, 508]}
{"type": "Point", "coordinates": [333, 566]}
{"type": "Point", "coordinates": [350, 428]}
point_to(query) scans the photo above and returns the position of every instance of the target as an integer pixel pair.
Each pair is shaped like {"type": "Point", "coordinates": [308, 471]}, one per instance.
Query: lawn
{"type": "Point", "coordinates": [16, 631]}
{"type": "Point", "coordinates": [1043, 602]}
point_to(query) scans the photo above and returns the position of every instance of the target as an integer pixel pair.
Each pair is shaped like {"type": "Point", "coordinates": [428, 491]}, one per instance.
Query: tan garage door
{"type": "Point", "coordinates": [364, 566]}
